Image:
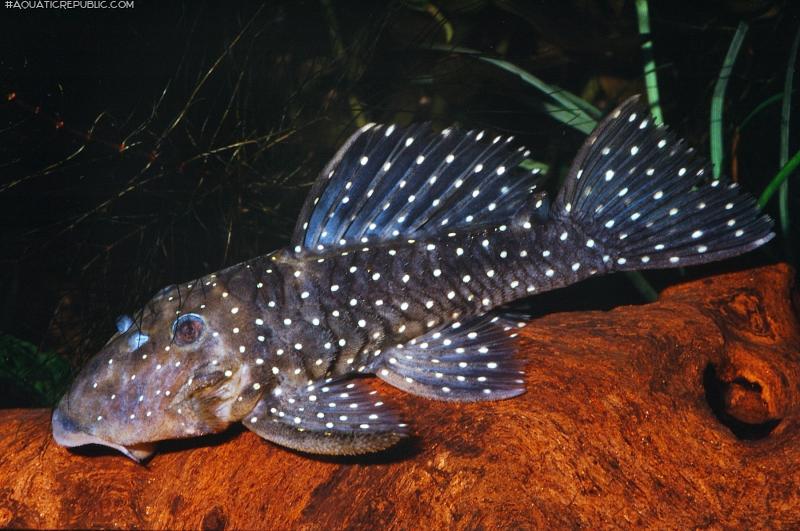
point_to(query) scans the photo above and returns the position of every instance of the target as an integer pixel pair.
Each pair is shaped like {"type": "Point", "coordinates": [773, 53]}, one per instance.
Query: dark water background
{"type": "Point", "coordinates": [145, 146]}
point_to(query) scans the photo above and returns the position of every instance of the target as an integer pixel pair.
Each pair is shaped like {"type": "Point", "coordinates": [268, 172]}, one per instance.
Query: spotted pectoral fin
{"type": "Point", "coordinates": [336, 418]}
{"type": "Point", "coordinates": [466, 362]}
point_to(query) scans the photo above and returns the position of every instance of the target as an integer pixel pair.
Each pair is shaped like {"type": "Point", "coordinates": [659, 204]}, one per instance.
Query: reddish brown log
{"type": "Point", "coordinates": [616, 429]}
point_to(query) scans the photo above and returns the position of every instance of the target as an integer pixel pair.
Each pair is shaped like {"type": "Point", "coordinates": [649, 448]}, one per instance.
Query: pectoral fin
{"type": "Point", "coordinates": [336, 418]}
{"type": "Point", "coordinates": [463, 362]}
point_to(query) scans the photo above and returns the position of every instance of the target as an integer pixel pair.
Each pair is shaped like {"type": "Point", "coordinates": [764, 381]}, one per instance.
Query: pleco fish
{"type": "Point", "coordinates": [408, 243]}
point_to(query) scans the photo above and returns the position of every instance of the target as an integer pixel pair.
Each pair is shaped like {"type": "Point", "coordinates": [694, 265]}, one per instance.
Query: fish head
{"type": "Point", "coordinates": [174, 371]}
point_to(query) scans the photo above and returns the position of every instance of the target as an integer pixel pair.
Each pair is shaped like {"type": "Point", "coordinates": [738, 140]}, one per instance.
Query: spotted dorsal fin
{"type": "Point", "coordinates": [388, 182]}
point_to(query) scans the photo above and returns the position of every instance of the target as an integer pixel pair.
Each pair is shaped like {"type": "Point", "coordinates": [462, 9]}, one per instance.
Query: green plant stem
{"type": "Point", "coordinates": [783, 196]}
{"type": "Point", "coordinates": [650, 76]}
{"type": "Point", "coordinates": [437, 14]}
{"type": "Point", "coordinates": [717, 101]}
{"type": "Point", "coordinates": [779, 179]}
{"type": "Point", "coordinates": [760, 107]}
{"type": "Point", "coordinates": [571, 113]}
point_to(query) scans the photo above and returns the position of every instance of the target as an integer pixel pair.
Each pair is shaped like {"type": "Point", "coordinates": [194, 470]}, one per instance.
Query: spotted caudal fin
{"type": "Point", "coordinates": [645, 200]}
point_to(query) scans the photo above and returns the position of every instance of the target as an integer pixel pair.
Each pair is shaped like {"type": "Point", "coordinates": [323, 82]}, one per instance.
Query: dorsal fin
{"type": "Point", "coordinates": [388, 182]}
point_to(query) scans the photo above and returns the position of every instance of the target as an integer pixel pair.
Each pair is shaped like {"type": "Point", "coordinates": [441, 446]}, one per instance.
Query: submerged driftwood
{"type": "Point", "coordinates": [683, 413]}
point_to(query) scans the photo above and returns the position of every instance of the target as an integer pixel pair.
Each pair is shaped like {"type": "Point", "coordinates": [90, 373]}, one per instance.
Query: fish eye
{"type": "Point", "coordinates": [187, 329]}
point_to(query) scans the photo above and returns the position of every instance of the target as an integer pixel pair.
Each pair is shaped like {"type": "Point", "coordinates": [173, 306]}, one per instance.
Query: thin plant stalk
{"type": "Point", "coordinates": [760, 107]}
{"type": "Point", "coordinates": [650, 76]}
{"type": "Point", "coordinates": [780, 178]}
{"type": "Point", "coordinates": [783, 195]}
{"type": "Point", "coordinates": [717, 101]}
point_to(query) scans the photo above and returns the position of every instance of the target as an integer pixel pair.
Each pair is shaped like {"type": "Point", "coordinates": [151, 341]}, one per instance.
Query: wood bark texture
{"type": "Point", "coordinates": [684, 413]}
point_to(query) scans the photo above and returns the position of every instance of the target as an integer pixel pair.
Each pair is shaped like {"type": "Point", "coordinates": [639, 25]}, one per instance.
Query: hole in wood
{"type": "Point", "coordinates": [718, 395]}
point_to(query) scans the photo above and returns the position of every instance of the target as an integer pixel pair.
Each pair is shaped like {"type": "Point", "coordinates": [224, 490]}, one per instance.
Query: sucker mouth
{"type": "Point", "coordinates": [66, 435]}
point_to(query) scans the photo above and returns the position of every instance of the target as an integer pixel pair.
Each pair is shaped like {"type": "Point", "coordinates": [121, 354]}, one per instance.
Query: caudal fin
{"type": "Point", "coordinates": [645, 199]}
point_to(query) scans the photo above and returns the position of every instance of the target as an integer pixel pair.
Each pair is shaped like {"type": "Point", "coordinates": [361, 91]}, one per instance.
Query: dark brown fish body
{"type": "Point", "coordinates": [406, 248]}
{"type": "Point", "coordinates": [346, 304]}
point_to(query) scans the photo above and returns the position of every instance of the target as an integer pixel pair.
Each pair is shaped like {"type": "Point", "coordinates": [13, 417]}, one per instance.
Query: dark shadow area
{"type": "Point", "coordinates": [594, 294]}
{"type": "Point", "coordinates": [214, 439]}
{"type": "Point", "coordinates": [404, 450]}
{"type": "Point", "coordinates": [165, 447]}
{"type": "Point", "coordinates": [96, 450]}
{"type": "Point", "coordinates": [715, 392]}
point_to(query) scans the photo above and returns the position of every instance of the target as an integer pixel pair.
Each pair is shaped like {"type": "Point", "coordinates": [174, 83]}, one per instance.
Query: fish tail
{"type": "Point", "coordinates": [645, 200]}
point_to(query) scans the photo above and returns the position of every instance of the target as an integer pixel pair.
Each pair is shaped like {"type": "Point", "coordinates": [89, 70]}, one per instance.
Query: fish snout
{"type": "Point", "coordinates": [65, 430]}
{"type": "Point", "coordinates": [68, 433]}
